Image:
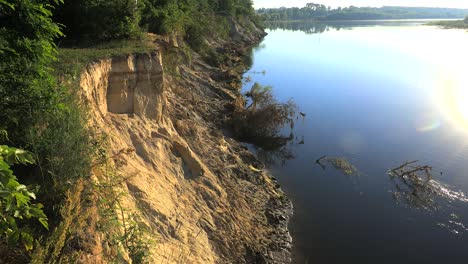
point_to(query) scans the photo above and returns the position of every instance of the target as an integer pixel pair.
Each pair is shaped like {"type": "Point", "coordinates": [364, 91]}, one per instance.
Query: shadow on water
{"type": "Point", "coordinates": [276, 150]}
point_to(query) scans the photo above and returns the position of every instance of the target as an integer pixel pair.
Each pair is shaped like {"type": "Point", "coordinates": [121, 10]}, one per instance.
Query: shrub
{"type": "Point", "coordinates": [264, 117]}
{"type": "Point", "coordinates": [38, 113]}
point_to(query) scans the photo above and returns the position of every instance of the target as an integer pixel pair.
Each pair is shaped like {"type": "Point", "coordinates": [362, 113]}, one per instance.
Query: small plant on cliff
{"type": "Point", "coordinates": [15, 200]}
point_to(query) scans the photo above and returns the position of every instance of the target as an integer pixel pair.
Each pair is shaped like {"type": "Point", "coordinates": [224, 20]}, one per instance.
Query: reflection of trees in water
{"type": "Point", "coordinates": [249, 60]}
{"type": "Point", "coordinates": [275, 150]}
{"type": "Point", "coordinates": [309, 27]}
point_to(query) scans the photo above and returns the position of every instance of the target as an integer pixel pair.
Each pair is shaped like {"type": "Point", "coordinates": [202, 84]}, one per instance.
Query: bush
{"type": "Point", "coordinates": [213, 58]}
{"type": "Point", "coordinates": [39, 114]}
{"type": "Point", "coordinates": [264, 117]}
{"type": "Point", "coordinates": [195, 37]}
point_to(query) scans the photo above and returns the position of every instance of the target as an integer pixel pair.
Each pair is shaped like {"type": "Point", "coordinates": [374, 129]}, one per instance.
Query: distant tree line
{"type": "Point", "coordinates": [321, 12]}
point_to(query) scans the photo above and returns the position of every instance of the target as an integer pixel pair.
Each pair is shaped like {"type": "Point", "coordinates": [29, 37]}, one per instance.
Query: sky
{"type": "Point", "coordinates": [376, 3]}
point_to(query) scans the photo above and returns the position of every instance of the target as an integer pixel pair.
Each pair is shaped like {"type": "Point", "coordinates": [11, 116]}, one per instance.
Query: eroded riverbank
{"type": "Point", "coordinates": [192, 187]}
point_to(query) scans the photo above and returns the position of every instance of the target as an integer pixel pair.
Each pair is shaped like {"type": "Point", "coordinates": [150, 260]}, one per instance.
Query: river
{"type": "Point", "coordinates": [376, 94]}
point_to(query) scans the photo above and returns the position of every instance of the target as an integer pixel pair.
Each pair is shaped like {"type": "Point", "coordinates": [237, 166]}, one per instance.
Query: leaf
{"type": "Point", "coordinates": [24, 157]}
{"type": "Point", "coordinates": [44, 223]}
{"type": "Point", "coordinates": [27, 240]}
{"type": "Point", "coordinates": [32, 195]}
{"type": "Point", "coordinates": [13, 237]}
{"type": "Point", "coordinates": [3, 2]}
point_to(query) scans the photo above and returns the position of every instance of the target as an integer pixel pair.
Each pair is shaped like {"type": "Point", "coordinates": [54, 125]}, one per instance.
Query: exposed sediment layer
{"type": "Point", "coordinates": [190, 184]}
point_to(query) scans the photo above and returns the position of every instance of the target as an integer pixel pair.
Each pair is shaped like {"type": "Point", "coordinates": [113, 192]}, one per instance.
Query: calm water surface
{"type": "Point", "coordinates": [378, 95]}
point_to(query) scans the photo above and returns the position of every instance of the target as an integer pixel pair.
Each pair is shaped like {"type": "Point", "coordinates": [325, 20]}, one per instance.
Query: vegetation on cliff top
{"type": "Point", "coordinates": [97, 20]}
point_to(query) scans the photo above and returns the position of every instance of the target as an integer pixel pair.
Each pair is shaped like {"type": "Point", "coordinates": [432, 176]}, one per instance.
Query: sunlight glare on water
{"type": "Point", "coordinates": [452, 97]}
{"type": "Point", "coordinates": [462, 103]}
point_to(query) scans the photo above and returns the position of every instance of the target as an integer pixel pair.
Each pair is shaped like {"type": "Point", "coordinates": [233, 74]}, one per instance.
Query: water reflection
{"type": "Point", "coordinates": [317, 27]}
{"type": "Point", "coordinates": [278, 153]}
{"type": "Point", "coordinates": [309, 27]}
{"type": "Point", "coordinates": [453, 225]}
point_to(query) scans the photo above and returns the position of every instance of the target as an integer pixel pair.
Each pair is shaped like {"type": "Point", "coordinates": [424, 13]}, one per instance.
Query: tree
{"type": "Point", "coordinates": [37, 113]}
{"type": "Point", "coordinates": [26, 48]}
{"type": "Point", "coordinates": [99, 20]}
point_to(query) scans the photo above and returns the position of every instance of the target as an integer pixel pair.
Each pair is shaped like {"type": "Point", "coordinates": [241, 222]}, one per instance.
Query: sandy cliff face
{"type": "Point", "coordinates": [193, 187]}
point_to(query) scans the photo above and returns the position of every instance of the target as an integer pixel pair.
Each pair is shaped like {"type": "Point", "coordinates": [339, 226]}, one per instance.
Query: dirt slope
{"type": "Point", "coordinates": [196, 190]}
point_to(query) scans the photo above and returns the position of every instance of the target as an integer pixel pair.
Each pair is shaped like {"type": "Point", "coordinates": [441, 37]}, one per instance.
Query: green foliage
{"type": "Point", "coordinates": [213, 58]}
{"type": "Point", "coordinates": [27, 49]}
{"type": "Point", "coordinates": [194, 20]}
{"type": "Point", "coordinates": [15, 199]}
{"type": "Point", "coordinates": [124, 229]}
{"type": "Point", "coordinates": [38, 113]}
{"type": "Point", "coordinates": [134, 240]}
{"type": "Point", "coordinates": [71, 61]}
{"type": "Point", "coordinates": [260, 95]}
{"type": "Point", "coordinates": [98, 20]}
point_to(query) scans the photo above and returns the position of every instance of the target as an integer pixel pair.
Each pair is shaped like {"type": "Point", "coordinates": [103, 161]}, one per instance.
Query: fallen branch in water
{"type": "Point", "coordinates": [319, 162]}
{"type": "Point", "coordinates": [414, 185]}
{"type": "Point", "coordinates": [412, 172]}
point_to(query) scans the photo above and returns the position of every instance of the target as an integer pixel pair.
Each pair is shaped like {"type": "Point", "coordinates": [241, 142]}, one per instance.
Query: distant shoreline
{"type": "Point", "coordinates": [457, 24]}
{"type": "Point", "coordinates": [380, 20]}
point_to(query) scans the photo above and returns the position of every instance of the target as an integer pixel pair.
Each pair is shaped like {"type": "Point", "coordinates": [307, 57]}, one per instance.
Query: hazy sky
{"type": "Point", "coordinates": [336, 3]}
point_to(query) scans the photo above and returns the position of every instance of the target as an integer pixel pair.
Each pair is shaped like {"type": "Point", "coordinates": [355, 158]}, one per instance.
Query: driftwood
{"type": "Point", "coordinates": [414, 185]}
{"type": "Point", "coordinates": [320, 163]}
{"type": "Point", "coordinates": [409, 170]}
{"type": "Point", "coordinates": [412, 174]}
